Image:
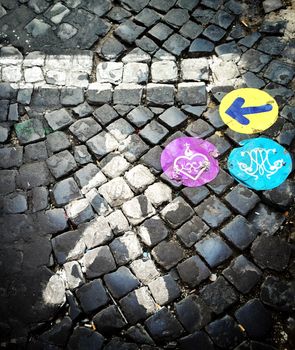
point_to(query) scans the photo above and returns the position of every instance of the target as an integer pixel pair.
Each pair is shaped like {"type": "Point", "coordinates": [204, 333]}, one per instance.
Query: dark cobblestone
{"type": "Point", "coordinates": [241, 199]}
{"type": "Point", "coordinates": [168, 254]}
{"type": "Point", "coordinates": [193, 271]}
{"type": "Point", "coordinates": [164, 289]}
{"type": "Point", "coordinates": [192, 231]}
{"type": "Point", "coordinates": [92, 296]}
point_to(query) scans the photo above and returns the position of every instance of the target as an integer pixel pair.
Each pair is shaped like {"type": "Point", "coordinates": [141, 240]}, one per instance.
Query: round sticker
{"type": "Point", "coordinates": [190, 161]}
{"type": "Point", "coordinates": [261, 163]}
{"type": "Point", "coordinates": [248, 111]}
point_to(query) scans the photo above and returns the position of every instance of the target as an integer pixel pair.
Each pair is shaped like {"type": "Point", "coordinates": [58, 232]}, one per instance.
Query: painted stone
{"type": "Point", "coordinates": [248, 110]}
{"type": "Point", "coordinates": [261, 163]}
{"type": "Point", "coordinates": [190, 161]}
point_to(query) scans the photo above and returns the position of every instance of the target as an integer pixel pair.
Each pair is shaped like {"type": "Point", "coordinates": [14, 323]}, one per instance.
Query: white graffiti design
{"type": "Point", "coordinates": [191, 164]}
{"type": "Point", "coordinates": [259, 163]}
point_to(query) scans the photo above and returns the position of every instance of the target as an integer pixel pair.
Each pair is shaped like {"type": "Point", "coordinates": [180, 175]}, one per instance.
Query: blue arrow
{"type": "Point", "coordinates": [238, 112]}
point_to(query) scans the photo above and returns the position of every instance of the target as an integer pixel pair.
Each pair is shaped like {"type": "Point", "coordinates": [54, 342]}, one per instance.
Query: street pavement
{"type": "Point", "coordinates": [99, 248]}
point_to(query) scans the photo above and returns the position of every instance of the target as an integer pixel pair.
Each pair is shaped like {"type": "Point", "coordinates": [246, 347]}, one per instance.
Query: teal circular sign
{"type": "Point", "coordinates": [260, 163]}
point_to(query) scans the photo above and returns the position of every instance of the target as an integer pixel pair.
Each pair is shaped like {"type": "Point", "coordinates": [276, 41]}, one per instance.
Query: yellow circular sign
{"type": "Point", "coordinates": [248, 110]}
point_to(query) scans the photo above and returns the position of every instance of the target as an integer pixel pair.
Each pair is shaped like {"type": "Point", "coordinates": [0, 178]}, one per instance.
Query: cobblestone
{"type": "Point", "coordinates": [193, 271]}
{"type": "Point", "coordinates": [92, 296]}
{"type": "Point", "coordinates": [168, 254]}
{"type": "Point", "coordinates": [153, 231]}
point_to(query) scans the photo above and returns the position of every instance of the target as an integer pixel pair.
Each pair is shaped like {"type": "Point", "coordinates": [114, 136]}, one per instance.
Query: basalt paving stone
{"type": "Point", "coordinates": [109, 320]}
{"type": "Point", "coordinates": [177, 212]}
{"type": "Point", "coordinates": [153, 231]}
{"type": "Point", "coordinates": [193, 271]}
{"type": "Point", "coordinates": [255, 318]}
{"type": "Point", "coordinates": [164, 289]}
{"type": "Point", "coordinates": [168, 254]}
{"type": "Point", "coordinates": [152, 159]}
{"type": "Point", "coordinates": [281, 196]}
{"type": "Point", "coordinates": [241, 199]}
{"type": "Point", "coordinates": [200, 337]}
{"type": "Point", "coordinates": [192, 231]}
{"type": "Point", "coordinates": [90, 338]}
{"type": "Point", "coordinates": [57, 141]}
{"type": "Point", "coordinates": [99, 261]}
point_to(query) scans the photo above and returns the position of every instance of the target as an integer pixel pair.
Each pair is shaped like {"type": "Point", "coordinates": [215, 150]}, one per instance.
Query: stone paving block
{"type": "Point", "coordinates": [133, 147]}
{"type": "Point", "coordinates": [147, 44]}
{"type": "Point", "coordinates": [153, 231]}
{"type": "Point", "coordinates": [109, 320]}
{"type": "Point", "coordinates": [128, 94]}
{"type": "Point", "coordinates": [191, 93]}
{"type": "Point", "coordinates": [137, 55]}
{"type": "Point", "coordinates": [281, 196]}
{"type": "Point", "coordinates": [240, 232]}
{"type": "Point", "coordinates": [220, 143]}
{"type": "Point", "coordinates": [4, 133]}
{"type": "Point", "coordinates": [173, 118]}
{"type": "Point", "coordinates": [177, 212]}
{"type": "Point", "coordinates": [83, 110]}
{"type": "Point", "coordinates": [243, 274]}
{"type": "Point", "coordinates": [265, 219]}
{"type": "Point", "coordinates": [126, 248]}
{"type": "Point", "coordinates": [96, 232]}
{"type": "Point", "coordinates": [71, 96]}
{"type": "Point", "coordinates": [4, 108]}
{"type": "Point", "coordinates": [59, 333]}
{"type": "Point", "coordinates": [129, 31]}
{"type": "Point", "coordinates": [176, 17]}
{"type": "Point", "coordinates": [58, 119]}
{"type": "Point", "coordinates": [144, 270]}
{"type": "Point", "coordinates": [286, 135]}
{"type": "Point", "coordinates": [90, 338]}
{"type": "Point", "coordinates": [193, 313]}
{"type": "Point", "coordinates": [33, 175]}
{"type": "Point", "coordinates": [11, 157]}
{"type": "Point", "coordinates": [114, 165]}
{"type": "Point", "coordinates": [160, 94]}
{"type": "Point", "coordinates": [139, 335]}
{"type": "Point", "coordinates": [164, 71]}
{"type": "Point", "coordinates": [279, 72]}
{"type": "Point", "coordinates": [57, 141]}
{"type": "Point", "coordinates": [199, 129]}
{"type": "Point", "coordinates": [14, 203]}
{"type": "Point", "coordinates": [223, 19]}
{"type": "Point", "coordinates": [221, 183]}
{"type": "Point", "coordinates": [135, 73]}
{"type": "Point", "coordinates": [61, 164]}
{"type": "Point", "coordinates": [79, 211]}
{"type": "Point", "coordinates": [192, 231]}
{"type": "Point", "coordinates": [219, 295]}
{"type": "Point", "coordinates": [160, 31]}
{"type": "Point", "coordinates": [271, 45]}
{"type": "Point", "coordinates": [109, 72]}
{"type": "Point", "coordinates": [98, 261]}
{"type": "Point", "coordinates": [158, 193]}
{"type": "Point", "coordinates": [213, 249]}
{"type": "Point", "coordinates": [118, 222]}
{"type": "Point", "coordinates": [13, 113]}
{"type": "Point", "coordinates": [105, 114]}
{"type": "Point", "coordinates": [213, 211]}
{"type": "Point", "coordinates": [152, 159]}
{"type": "Point", "coordinates": [225, 332]}
{"type": "Point", "coordinates": [195, 195]}
{"type": "Point", "coordinates": [253, 60]}
{"type": "Point", "coordinates": [81, 155]}
{"type": "Point", "coordinates": [163, 326]}
{"type": "Point", "coordinates": [74, 274]}
{"type": "Point", "coordinates": [193, 271]}
{"type": "Point", "coordinates": [147, 17]}
{"type": "Point", "coordinates": [65, 191]}
{"type": "Point", "coordinates": [39, 198]}
{"type": "Point", "coordinates": [92, 296]}
{"type": "Point", "coordinates": [140, 115]}
{"type": "Point", "coordinates": [89, 177]}
{"type": "Point", "coordinates": [111, 49]}
{"type": "Point", "coordinates": [278, 293]}
{"type": "Point", "coordinates": [29, 131]}
{"type": "Point", "coordinates": [188, 342]}
{"type": "Point", "coordinates": [84, 129]}
{"type": "Point", "coordinates": [168, 254]}
{"type": "Point", "coordinates": [153, 132]}
{"type": "Point", "coordinates": [270, 5]}
{"type": "Point", "coordinates": [255, 319]}
{"type": "Point", "coordinates": [52, 220]}
{"type": "Point", "coordinates": [176, 44]}
{"type": "Point", "coordinates": [138, 305]}
{"type": "Point", "coordinates": [164, 289]}
{"type": "Point", "coordinates": [121, 282]}
{"type": "Point", "coordinates": [191, 30]}
{"type": "Point", "coordinates": [214, 33]}
{"type": "Point", "coordinates": [271, 252]}
{"type": "Point", "coordinates": [68, 246]}
{"type": "Point", "coordinates": [116, 192]}
{"type": "Point", "coordinates": [120, 129]}
{"type": "Point", "coordinates": [241, 199]}
{"type": "Point", "coordinates": [98, 93]}
{"type": "Point", "coordinates": [98, 203]}
{"type": "Point", "coordinates": [194, 69]}
{"type": "Point", "coordinates": [102, 144]}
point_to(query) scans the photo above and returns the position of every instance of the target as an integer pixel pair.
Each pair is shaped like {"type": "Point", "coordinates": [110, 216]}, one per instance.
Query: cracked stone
{"type": "Point", "coordinates": [193, 271]}
{"type": "Point", "coordinates": [126, 248]}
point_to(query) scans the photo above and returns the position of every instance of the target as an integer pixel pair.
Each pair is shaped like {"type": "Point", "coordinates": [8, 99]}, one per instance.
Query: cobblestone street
{"type": "Point", "coordinates": [99, 248]}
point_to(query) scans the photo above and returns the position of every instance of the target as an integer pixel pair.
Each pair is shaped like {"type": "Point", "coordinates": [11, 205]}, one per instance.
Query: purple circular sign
{"type": "Point", "coordinates": [190, 161]}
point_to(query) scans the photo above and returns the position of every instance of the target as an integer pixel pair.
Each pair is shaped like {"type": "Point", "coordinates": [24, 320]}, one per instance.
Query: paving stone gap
{"type": "Point", "coordinates": [99, 248]}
